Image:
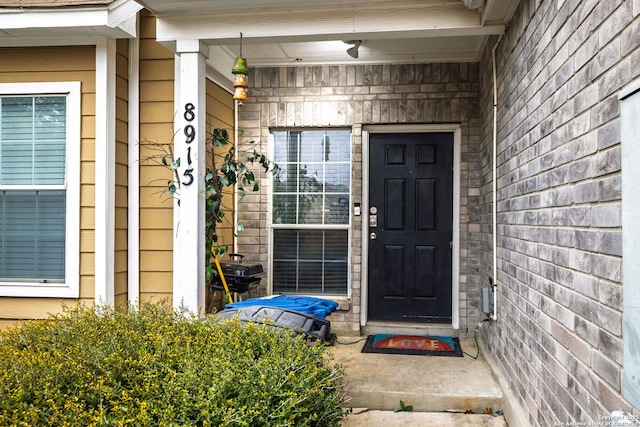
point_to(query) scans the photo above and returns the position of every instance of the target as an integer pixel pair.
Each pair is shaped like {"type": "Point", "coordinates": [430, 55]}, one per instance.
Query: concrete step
{"type": "Point", "coordinates": [404, 328]}
{"type": "Point", "coordinates": [416, 419]}
{"type": "Point", "coordinates": [428, 383]}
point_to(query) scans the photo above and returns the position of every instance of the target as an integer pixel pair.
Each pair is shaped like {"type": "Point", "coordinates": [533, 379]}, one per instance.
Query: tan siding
{"type": "Point", "coordinates": [87, 240]}
{"type": "Point", "coordinates": [157, 112]}
{"type": "Point", "coordinates": [220, 115]}
{"type": "Point", "coordinates": [155, 219]}
{"type": "Point", "coordinates": [51, 64]}
{"type": "Point", "coordinates": [156, 126]}
{"type": "Point", "coordinates": [121, 178]}
{"type": "Point", "coordinates": [32, 308]}
{"type": "Point", "coordinates": [155, 240]}
{"type": "Point", "coordinates": [87, 289]}
{"type": "Point", "coordinates": [157, 70]}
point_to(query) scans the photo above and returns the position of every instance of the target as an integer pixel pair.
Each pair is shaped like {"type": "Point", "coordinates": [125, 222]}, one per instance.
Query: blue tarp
{"type": "Point", "coordinates": [310, 305]}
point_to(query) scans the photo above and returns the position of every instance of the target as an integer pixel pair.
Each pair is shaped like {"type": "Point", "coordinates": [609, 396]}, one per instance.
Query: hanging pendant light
{"type": "Point", "coordinates": [240, 70]}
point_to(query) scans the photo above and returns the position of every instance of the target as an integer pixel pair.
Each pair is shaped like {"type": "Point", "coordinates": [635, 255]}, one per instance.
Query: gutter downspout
{"type": "Point", "coordinates": [494, 315]}
{"type": "Point", "coordinates": [235, 195]}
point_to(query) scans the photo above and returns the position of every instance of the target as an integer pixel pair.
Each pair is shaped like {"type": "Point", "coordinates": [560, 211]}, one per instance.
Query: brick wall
{"type": "Point", "coordinates": [352, 96]}
{"type": "Point", "coordinates": [558, 339]}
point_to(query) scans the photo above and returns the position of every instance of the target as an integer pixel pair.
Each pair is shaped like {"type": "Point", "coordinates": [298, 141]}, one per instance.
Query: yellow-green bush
{"type": "Point", "coordinates": [155, 367]}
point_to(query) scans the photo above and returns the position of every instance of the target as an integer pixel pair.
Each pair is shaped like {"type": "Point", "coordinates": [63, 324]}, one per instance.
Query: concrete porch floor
{"type": "Point", "coordinates": [439, 388]}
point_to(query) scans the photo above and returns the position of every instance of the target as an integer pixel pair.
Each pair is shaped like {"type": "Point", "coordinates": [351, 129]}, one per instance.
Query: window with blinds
{"type": "Point", "coordinates": [310, 211]}
{"type": "Point", "coordinates": [33, 137]}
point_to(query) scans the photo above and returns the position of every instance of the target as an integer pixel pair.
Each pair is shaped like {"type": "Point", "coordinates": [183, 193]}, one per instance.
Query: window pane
{"type": "Point", "coordinates": [311, 261]}
{"type": "Point", "coordinates": [32, 234]}
{"type": "Point", "coordinates": [32, 140]}
{"type": "Point", "coordinates": [286, 147]}
{"type": "Point", "coordinates": [286, 180]}
{"type": "Point", "coordinates": [312, 146]}
{"type": "Point", "coordinates": [337, 146]}
{"type": "Point", "coordinates": [285, 208]}
{"type": "Point", "coordinates": [310, 209]}
{"type": "Point", "coordinates": [337, 177]}
{"type": "Point", "coordinates": [336, 209]}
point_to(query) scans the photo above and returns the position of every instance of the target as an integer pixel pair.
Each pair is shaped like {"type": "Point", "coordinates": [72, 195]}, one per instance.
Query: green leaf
{"type": "Point", "coordinates": [173, 189]}
{"type": "Point", "coordinates": [404, 407]}
{"type": "Point", "coordinates": [164, 161]}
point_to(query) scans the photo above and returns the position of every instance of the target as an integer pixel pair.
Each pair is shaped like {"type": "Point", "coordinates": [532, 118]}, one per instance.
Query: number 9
{"type": "Point", "coordinates": [190, 133]}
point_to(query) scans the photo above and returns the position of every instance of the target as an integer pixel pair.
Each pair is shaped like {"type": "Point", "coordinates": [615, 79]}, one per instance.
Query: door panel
{"type": "Point", "coordinates": [411, 202]}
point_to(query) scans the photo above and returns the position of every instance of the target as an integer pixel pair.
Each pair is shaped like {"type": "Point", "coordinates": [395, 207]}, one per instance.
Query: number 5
{"type": "Point", "coordinates": [188, 173]}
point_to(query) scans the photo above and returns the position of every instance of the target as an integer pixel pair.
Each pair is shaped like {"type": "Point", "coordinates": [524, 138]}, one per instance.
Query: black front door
{"type": "Point", "coordinates": [410, 227]}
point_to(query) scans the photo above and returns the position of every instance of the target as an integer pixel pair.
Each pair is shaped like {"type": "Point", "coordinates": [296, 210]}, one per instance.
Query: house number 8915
{"type": "Point", "coordinates": [190, 134]}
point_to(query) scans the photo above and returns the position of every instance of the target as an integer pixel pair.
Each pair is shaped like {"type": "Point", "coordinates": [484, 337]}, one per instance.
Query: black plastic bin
{"type": "Point", "coordinates": [300, 323]}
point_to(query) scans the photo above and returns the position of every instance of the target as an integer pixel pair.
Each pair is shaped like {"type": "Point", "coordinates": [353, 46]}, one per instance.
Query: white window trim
{"type": "Point", "coordinates": [70, 288]}
{"type": "Point", "coordinates": [272, 226]}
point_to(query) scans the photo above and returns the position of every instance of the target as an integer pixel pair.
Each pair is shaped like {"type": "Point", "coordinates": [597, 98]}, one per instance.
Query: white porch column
{"type": "Point", "coordinates": [189, 148]}
{"type": "Point", "coordinates": [105, 158]}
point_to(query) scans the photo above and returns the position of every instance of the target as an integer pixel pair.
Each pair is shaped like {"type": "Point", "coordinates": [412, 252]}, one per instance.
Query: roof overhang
{"type": "Point", "coordinates": [21, 26]}
{"type": "Point", "coordinates": [303, 32]}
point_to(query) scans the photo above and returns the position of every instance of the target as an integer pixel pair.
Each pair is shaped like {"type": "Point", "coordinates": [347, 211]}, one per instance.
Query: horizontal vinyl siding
{"type": "Point", "coordinates": [156, 127]}
{"type": "Point", "coordinates": [220, 115]}
{"type": "Point", "coordinates": [52, 64]}
{"type": "Point", "coordinates": [121, 203]}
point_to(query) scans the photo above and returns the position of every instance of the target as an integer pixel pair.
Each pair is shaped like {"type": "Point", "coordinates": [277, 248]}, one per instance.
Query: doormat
{"type": "Point", "coordinates": [413, 345]}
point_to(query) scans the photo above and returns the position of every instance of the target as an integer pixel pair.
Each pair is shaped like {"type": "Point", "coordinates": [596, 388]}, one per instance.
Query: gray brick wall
{"type": "Point", "coordinates": [558, 339]}
{"type": "Point", "coordinates": [352, 96]}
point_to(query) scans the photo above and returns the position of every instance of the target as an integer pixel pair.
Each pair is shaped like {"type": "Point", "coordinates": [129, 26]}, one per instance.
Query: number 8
{"type": "Point", "coordinates": [189, 115]}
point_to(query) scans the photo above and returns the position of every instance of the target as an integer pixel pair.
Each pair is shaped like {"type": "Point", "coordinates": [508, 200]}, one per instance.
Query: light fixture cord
{"type": "Point", "coordinates": [241, 44]}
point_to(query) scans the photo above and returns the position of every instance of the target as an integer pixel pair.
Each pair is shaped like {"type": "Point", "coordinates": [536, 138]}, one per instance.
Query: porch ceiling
{"type": "Point", "coordinates": [290, 32]}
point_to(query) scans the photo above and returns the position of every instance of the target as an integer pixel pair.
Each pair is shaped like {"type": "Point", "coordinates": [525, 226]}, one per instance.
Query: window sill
{"type": "Point", "coordinates": [38, 290]}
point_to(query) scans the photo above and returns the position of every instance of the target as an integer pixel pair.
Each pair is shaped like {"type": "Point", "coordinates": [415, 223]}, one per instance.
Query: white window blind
{"type": "Point", "coordinates": [33, 138]}
{"type": "Point", "coordinates": [310, 211]}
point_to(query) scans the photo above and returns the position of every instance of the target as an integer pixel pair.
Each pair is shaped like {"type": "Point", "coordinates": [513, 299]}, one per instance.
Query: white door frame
{"type": "Point", "coordinates": [455, 261]}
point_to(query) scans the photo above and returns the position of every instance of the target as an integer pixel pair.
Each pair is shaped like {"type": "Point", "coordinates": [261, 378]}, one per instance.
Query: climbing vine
{"type": "Point", "coordinates": [224, 170]}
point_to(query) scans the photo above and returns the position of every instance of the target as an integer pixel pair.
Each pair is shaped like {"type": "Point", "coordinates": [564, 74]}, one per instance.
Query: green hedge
{"type": "Point", "coordinates": [155, 367]}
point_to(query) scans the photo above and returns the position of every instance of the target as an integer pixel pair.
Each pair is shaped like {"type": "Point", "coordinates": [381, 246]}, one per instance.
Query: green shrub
{"type": "Point", "coordinates": [155, 367]}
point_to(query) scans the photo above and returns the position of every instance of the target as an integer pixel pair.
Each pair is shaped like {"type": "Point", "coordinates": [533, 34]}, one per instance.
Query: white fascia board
{"type": "Point", "coordinates": [116, 19]}
{"type": "Point", "coordinates": [121, 13]}
{"type": "Point", "coordinates": [316, 25]}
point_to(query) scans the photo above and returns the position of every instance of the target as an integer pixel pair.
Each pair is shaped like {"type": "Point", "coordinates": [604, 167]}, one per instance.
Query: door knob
{"type": "Point", "coordinates": [373, 236]}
